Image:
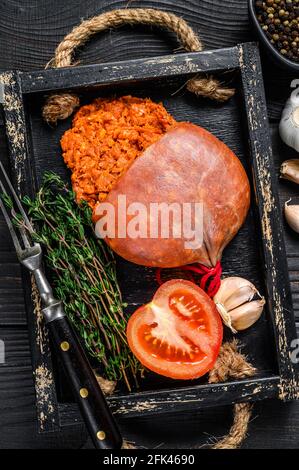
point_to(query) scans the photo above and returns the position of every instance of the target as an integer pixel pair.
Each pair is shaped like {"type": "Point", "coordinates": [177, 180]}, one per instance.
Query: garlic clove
{"type": "Point", "coordinates": [240, 296]}
{"type": "Point", "coordinates": [292, 215]}
{"type": "Point", "coordinates": [289, 170]}
{"type": "Point", "coordinates": [235, 305]}
{"type": "Point", "coordinates": [226, 318]}
{"type": "Point", "coordinates": [289, 124]}
{"type": "Point", "coordinates": [234, 291]}
{"type": "Point", "coordinates": [246, 315]}
{"type": "Point", "coordinates": [295, 116]}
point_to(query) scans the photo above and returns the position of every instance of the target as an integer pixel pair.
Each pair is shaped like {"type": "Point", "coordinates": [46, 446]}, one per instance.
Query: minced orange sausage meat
{"type": "Point", "coordinates": [106, 137]}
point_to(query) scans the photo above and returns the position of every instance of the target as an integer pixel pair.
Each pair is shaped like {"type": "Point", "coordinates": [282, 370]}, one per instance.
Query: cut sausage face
{"type": "Point", "coordinates": [179, 333]}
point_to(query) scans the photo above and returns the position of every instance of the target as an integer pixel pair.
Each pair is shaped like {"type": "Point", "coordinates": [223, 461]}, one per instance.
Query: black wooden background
{"type": "Point", "coordinates": [29, 32]}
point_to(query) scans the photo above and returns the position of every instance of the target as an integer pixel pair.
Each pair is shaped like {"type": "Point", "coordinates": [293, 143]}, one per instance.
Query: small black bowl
{"type": "Point", "coordinates": [278, 58]}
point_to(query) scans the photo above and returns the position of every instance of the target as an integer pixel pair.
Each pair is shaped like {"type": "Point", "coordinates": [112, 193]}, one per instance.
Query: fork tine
{"type": "Point", "coordinates": [17, 200]}
{"type": "Point", "coordinates": [11, 228]}
{"type": "Point", "coordinates": [21, 229]}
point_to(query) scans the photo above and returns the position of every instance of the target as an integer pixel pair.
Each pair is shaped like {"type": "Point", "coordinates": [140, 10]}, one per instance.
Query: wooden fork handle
{"type": "Point", "coordinates": [92, 403]}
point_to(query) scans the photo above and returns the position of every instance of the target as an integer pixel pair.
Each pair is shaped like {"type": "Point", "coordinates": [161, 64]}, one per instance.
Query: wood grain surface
{"type": "Point", "coordinates": [29, 32]}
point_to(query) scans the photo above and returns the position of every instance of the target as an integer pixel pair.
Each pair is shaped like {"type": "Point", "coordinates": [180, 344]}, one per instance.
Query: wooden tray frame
{"type": "Point", "coordinates": [245, 58]}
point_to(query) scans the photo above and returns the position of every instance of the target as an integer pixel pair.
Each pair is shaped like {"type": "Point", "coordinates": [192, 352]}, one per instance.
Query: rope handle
{"type": "Point", "coordinates": [61, 106]}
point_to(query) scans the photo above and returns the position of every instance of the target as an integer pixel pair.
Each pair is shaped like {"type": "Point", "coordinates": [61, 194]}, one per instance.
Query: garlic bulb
{"type": "Point", "coordinates": [289, 170]}
{"type": "Point", "coordinates": [292, 215]}
{"type": "Point", "coordinates": [289, 124]}
{"type": "Point", "coordinates": [236, 304]}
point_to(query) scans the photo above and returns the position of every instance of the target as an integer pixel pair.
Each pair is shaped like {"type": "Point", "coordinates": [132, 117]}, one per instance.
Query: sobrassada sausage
{"type": "Point", "coordinates": [187, 165]}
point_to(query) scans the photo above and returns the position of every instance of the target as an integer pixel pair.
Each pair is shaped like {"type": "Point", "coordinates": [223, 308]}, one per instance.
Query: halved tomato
{"type": "Point", "coordinates": [179, 333]}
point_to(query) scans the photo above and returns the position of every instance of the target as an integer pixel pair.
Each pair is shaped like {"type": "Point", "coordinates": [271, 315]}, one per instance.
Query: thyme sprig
{"type": "Point", "coordinates": [83, 273]}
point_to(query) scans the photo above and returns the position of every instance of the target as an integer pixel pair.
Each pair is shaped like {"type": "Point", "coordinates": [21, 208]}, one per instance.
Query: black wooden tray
{"type": "Point", "coordinates": [257, 253]}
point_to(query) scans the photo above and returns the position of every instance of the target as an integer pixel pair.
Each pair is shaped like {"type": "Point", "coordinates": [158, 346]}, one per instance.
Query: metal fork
{"type": "Point", "coordinates": [30, 255]}
{"type": "Point", "coordinates": [94, 408]}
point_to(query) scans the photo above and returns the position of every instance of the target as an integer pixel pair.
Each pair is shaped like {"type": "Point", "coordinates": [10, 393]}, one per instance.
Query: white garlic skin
{"type": "Point", "coordinates": [289, 124]}
{"type": "Point", "coordinates": [247, 314]}
{"type": "Point", "coordinates": [291, 213]}
{"type": "Point", "coordinates": [289, 170]}
{"type": "Point", "coordinates": [235, 305]}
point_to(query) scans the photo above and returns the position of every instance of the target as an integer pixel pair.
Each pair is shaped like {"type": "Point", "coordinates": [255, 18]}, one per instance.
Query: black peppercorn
{"type": "Point", "coordinates": [279, 21]}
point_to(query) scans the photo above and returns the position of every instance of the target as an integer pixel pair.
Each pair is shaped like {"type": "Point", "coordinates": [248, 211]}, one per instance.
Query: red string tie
{"type": "Point", "coordinates": [210, 277]}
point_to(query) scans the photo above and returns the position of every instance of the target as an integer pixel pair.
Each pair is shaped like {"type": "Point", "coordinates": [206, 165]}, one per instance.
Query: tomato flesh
{"type": "Point", "coordinates": [179, 333]}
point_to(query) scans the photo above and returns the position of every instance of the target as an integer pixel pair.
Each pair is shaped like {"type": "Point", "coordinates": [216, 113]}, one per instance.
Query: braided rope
{"type": "Point", "coordinates": [62, 106]}
{"type": "Point", "coordinates": [116, 18]}
{"type": "Point", "coordinates": [231, 364]}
